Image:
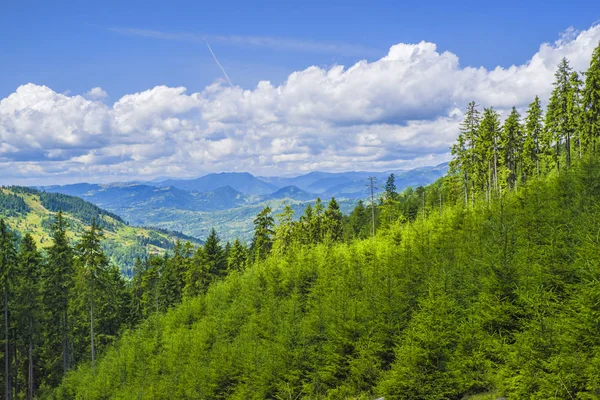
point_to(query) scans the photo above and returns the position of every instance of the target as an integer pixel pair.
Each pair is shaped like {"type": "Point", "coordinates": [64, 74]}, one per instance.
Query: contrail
{"type": "Point", "coordinates": [219, 64]}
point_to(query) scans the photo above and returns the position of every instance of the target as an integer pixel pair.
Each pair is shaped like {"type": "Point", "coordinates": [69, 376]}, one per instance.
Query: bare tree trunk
{"type": "Point", "coordinates": [6, 346]}
{"type": "Point", "coordinates": [30, 366]}
{"type": "Point", "coordinates": [92, 331]}
{"type": "Point", "coordinates": [568, 149]}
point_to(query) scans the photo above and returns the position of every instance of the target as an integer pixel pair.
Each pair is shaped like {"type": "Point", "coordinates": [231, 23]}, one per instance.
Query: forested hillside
{"type": "Point", "coordinates": [31, 211]}
{"type": "Point", "coordinates": [484, 284]}
{"type": "Point", "coordinates": [499, 298]}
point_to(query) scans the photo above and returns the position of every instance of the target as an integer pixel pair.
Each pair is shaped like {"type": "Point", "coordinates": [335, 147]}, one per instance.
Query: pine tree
{"type": "Point", "coordinates": [390, 188]}
{"type": "Point", "coordinates": [263, 234]}
{"type": "Point", "coordinates": [465, 161]}
{"type": "Point", "coordinates": [534, 130]}
{"type": "Point", "coordinates": [57, 283]}
{"type": "Point", "coordinates": [137, 290]}
{"type": "Point", "coordinates": [215, 257]}
{"type": "Point", "coordinates": [305, 224]}
{"type": "Point", "coordinates": [316, 222]}
{"type": "Point", "coordinates": [28, 307]}
{"type": "Point", "coordinates": [512, 147]}
{"type": "Point", "coordinates": [169, 290]}
{"type": "Point", "coordinates": [487, 146]}
{"type": "Point", "coordinates": [197, 276]}
{"type": "Point", "coordinates": [591, 102]}
{"type": "Point", "coordinates": [92, 266]}
{"type": "Point", "coordinates": [558, 122]}
{"type": "Point", "coordinates": [8, 261]}
{"type": "Point", "coordinates": [284, 232]}
{"type": "Point", "coordinates": [237, 257]}
{"type": "Point", "coordinates": [332, 221]}
{"type": "Point", "coordinates": [574, 114]}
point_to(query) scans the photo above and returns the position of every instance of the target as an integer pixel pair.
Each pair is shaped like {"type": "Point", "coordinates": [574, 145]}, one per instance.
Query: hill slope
{"type": "Point", "coordinates": [497, 299]}
{"type": "Point", "coordinates": [31, 211]}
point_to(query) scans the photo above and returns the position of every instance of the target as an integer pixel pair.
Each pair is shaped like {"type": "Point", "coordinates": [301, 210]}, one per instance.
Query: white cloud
{"type": "Point", "coordinates": [399, 111]}
{"type": "Point", "coordinates": [96, 93]}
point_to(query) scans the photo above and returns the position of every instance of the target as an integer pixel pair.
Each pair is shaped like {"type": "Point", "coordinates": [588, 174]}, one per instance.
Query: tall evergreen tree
{"type": "Point", "coordinates": [284, 232]}
{"type": "Point", "coordinates": [591, 102]}
{"type": "Point", "coordinates": [28, 307]}
{"type": "Point", "coordinates": [332, 221]}
{"type": "Point", "coordinates": [215, 256]}
{"type": "Point", "coordinates": [57, 283]}
{"type": "Point", "coordinates": [92, 266]}
{"type": "Point", "coordinates": [512, 147]}
{"type": "Point", "coordinates": [534, 130]}
{"type": "Point", "coordinates": [487, 148]}
{"type": "Point", "coordinates": [237, 256]}
{"type": "Point", "coordinates": [574, 114]}
{"type": "Point", "coordinates": [8, 261]}
{"type": "Point", "coordinates": [263, 234]}
{"type": "Point", "coordinates": [464, 152]}
{"type": "Point", "coordinates": [197, 276]}
{"type": "Point", "coordinates": [390, 188]}
{"type": "Point", "coordinates": [558, 121]}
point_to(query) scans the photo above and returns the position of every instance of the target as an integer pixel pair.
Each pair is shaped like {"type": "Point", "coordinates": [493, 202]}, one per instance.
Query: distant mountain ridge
{"type": "Point", "coordinates": [229, 201]}
{"type": "Point", "coordinates": [243, 182]}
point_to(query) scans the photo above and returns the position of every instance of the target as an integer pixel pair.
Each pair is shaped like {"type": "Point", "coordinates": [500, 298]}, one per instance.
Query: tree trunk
{"type": "Point", "coordinates": [568, 149]}
{"type": "Point", "coordinates": [30, 366]}
{"type": "Point", "coordinates": [92, 332]}
{"type": "Point", "coordinates": [6, 346]}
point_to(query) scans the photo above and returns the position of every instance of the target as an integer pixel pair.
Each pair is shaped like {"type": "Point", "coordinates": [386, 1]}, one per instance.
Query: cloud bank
{"type": "Point", "coordinates": [400, 111]}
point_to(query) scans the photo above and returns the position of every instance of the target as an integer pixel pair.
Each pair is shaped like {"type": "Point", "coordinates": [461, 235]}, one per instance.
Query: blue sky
{"type": "Point", "coordinates": [69, 45]}
{"type": "Point", "coordinates": [312, 115]}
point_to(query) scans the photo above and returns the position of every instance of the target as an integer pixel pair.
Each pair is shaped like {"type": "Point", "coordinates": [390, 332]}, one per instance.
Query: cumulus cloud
{"type": "Point", "coordinates": [400, 111]}
{"type": "Point", "coordinates": [96, 93]}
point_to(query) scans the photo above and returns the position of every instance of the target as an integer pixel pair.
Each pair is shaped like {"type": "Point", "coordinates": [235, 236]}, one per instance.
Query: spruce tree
{"type": "Point", "coordinates": [534, 130]}
{"type": "Point", "coordinates": [591, 102]}
{"type": "Point", "coordinates": [558, 121]}
{"type": "Point", "coordinates": [92, 265]}
{"type": "Point", "coordinates": [486, 150]}
{"type": "Point", "coordinates": [574, 115]}
{"type": "Point", "coordinates": [57, 283]}
{"type": "Point", "coordinates": [332, 221]}
{"type": "Point", "coordinates": [197, 276]}
{"type": "Point", "coordinates": [8, 261]}
{"type": "Point", "coordinates": [464, 152]}
{"type": "Point", "coordinates": [28, 307]}
{"type": "Point", "coordinates": [512, 147]}
{"type": "Point", "coordinates": [237, 257]}
{"type": "Point", "coordinates": [263, 234]}
{"type": "Point", "coordinates": [215, 256]}
{"type": "Point", "coordinates": [284, 232]}
{"type": "Point", "coordinates": [390, 188]}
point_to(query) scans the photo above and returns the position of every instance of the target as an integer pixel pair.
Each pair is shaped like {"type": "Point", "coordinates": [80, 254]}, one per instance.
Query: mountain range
{"type": "Point", "coordinates": [229, 201]}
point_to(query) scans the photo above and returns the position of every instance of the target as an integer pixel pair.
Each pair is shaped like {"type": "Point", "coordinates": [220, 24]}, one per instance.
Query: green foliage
{"type": "Point", "coordinates": [501, 298]}
{"type": "Point", "coordinates": [12, 205]}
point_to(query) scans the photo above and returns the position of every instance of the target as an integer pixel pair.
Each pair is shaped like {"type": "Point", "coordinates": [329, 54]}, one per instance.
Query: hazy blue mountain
{"type": "Point", "coordinates": [353, 184]}
{"type": "Point", "coordinates": [291, 192]}
{"type": "Point", "coordinates": [121, 197]}
{"type": "Point", "coordinates": [240, 181]}
{"type": "Point", "coordinates": [230, 201]}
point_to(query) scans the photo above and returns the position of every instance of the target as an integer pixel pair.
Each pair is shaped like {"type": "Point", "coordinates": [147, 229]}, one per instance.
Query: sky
{"type": "Point", "coordinates": [116, 90]}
